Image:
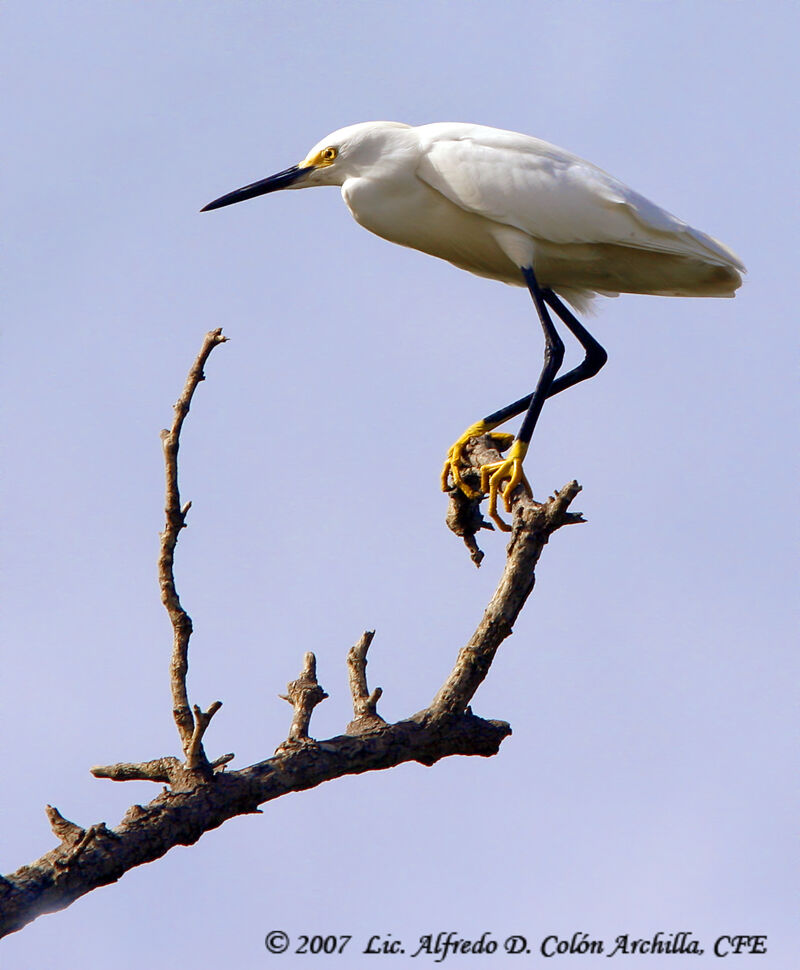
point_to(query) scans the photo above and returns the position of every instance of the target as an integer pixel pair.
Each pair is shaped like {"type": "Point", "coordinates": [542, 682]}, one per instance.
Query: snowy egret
{"type": "Point", "coordinates": [512, 208]}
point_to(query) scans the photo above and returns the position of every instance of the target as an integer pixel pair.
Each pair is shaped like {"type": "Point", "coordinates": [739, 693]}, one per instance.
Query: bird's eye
{"type": "Point", "coordinates": [328, 154]}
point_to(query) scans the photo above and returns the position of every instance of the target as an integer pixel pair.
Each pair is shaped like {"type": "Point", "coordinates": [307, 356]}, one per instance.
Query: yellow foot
{"type": "Point", "coordinates": [455, 457]}
{"type": "Point", "coordinates": [509, 470]}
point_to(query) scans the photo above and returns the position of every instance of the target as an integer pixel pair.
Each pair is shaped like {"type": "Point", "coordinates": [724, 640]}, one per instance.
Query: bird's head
{"type": "Point", "coordinates": [341, 155]}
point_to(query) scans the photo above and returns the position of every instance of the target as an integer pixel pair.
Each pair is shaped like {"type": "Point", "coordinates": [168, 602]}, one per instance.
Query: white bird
{"type": "Point", "coordinates": [513, 208]}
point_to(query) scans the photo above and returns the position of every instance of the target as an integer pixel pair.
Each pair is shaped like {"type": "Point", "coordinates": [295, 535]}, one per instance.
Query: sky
{"type": "Point", "coordinates": [646, 786]}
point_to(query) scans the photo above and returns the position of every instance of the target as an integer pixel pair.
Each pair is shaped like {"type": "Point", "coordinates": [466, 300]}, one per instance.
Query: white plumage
{"type": "Point", "coordinates": [516, 209]}
{"type": "Point", "coordinates": [489, 201]}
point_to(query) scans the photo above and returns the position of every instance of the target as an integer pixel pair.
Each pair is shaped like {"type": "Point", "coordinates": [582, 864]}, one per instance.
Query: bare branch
{"type": "Point", "coordinates": [195, 756]}
{"type": "Point", "coordinates": [303, 694]}
{"type": "Point", "coordinates": [203, 795]}
{"type": "Point", "coordinates": [63, 829]}
{"type": "Point", "coordinates": [175, 521]}
{"type": "Point", "coordinates": [365, 715]}
{"type": "Point", "coordinates": [533, 524]}
{"type": "Point", "coordinates": [159, 769]}
{"type": "Point", "coordinates": [218, 764]}
{"type": "Point", "coordinates": [181, 817]}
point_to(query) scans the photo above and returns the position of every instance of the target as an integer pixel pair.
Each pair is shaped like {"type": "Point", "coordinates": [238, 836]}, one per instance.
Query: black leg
{"type": "Point", "coordinates": [595, 354]}
{"type": "Point", "coordinates": [553, 357]}
{"type": "Point", "coordinates": [595, 357]}
{"type": "Point", "coordinates": [509, 470]}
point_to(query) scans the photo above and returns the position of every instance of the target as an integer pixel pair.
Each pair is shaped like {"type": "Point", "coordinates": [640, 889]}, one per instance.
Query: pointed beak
{"type": "Point", "coordinates": [283, 180]}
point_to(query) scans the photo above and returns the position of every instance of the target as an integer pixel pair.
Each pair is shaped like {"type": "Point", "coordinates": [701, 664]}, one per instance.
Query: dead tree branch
{"type": "Point", "coordinates": [202, 794]}
{"type": "Point", "coordinates": [365, 715]}
{"type": "Point", "coordinates": [533, 524]}
{"type": "Point", "coordinates": [190, 729]}
{"type": "Point", "coordinates": [303, 694]}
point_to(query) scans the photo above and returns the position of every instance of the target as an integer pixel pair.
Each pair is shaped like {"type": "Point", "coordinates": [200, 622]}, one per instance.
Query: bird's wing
{"type": "Point", "coordinates": [549, 194]}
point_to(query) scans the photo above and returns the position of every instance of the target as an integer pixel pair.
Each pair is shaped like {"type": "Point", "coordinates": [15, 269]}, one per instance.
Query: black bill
{"type": "Point", "coordinates": [280, 181]}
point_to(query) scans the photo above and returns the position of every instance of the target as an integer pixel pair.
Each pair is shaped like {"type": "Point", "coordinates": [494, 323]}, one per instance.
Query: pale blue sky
{"type": "Point", "coordinates": [648, 682]}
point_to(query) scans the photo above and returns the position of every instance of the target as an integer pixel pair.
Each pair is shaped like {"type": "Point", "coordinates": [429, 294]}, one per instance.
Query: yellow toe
{"type": "Point", "coordinates": [455, 460]}
{"type": "Point", "coordinates": [500, 478]}
{"type": "Point", "coordinates": [503, 478]}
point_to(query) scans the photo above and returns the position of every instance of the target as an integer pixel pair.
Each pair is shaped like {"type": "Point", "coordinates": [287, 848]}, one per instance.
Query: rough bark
{"type": "Point", "coordinates": [202, 794]}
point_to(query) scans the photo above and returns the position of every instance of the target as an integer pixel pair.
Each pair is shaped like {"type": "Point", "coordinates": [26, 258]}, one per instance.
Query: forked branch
{"type": "Point", "coordinates": [190, 729]}
{"type": "Point", "coordinates": [303, 694]}
{"type": "Point", "coordinates": [202, 794]}
{"type": "Point", "coordinates": [365, 704]}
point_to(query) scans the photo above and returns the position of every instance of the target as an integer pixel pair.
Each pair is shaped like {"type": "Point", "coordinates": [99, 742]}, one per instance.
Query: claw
{"type": "Point", "coordinates": [451, 470]}
{"type": "Point", "coordinates": [455, 456]}
{"type": "Point", "coordinates": [494, 476]}
{"type": "Point", "coordinates": [508, 471]}
{"type": "Point", "coordinates": [455, 459]}
{"type": "Point", "coordinates": [494, 515]}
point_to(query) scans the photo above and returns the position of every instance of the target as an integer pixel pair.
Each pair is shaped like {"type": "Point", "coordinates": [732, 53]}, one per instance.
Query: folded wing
{"type": "Point", "coordinates": [552, 195]}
